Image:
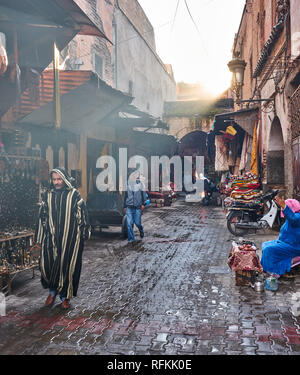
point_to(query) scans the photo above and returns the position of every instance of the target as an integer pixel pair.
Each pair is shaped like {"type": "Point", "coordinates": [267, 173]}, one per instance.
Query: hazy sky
{"type": "Point", "coordinates": [198, 51]}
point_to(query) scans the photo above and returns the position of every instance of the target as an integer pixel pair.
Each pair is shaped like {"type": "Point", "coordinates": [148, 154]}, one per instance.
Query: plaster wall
{"type": "Point", "coordinates": [131, 63]}
{"type": "Point", "coordinates": [84, 50]}
{"type": "Point", "coordinates": [295, 28]}
{"type": "Point", "coordinates": [179, 126]}
{"type": "Point", "coordinates": [140, 72]}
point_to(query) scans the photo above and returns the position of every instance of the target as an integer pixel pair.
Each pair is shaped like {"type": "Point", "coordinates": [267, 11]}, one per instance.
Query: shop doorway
{"type": "Point", "coordinates": [296, 167]}
{"type": "Point", "coordinates": [275, 156]}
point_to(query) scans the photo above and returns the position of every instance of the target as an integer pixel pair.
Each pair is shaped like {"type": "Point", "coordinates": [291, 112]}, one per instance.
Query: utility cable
{"type": "Point", "coordinates": [190, 14]}
{"type": "Point", "coordinates": [175, 16]}
{"type": "Point", "coordinates": [172, 27]}
{"type": "Point", "coordinates": [126, 40]}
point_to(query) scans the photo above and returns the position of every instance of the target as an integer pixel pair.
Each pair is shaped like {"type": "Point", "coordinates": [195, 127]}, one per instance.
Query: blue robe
{"type": "Point", "coordinates": [277, 255]}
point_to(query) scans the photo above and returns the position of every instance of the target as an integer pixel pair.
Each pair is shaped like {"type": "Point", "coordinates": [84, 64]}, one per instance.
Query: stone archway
{"type": "Point", "coordinates": [275, 155]}
{"type": "Point", "coordinates": [199, 143]}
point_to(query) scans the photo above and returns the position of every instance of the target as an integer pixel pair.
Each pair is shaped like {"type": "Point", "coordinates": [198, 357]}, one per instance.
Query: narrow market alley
{"type": "Point", "coordinates": [172, 294]}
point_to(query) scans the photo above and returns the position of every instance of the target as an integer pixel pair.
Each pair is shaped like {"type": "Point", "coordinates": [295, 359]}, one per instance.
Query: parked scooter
{"type": "Point", "coordinates": [243, 217]}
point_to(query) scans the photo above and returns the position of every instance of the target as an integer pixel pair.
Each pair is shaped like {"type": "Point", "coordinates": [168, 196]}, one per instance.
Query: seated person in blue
{"type": "Point", "coordinates": [277, 255]}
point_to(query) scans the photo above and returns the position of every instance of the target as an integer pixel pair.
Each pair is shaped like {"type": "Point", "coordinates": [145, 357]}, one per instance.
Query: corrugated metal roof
{"type": "Point", "coordinates": [86, 100]}
{"type": "Point", "coordinates": [36, 96]}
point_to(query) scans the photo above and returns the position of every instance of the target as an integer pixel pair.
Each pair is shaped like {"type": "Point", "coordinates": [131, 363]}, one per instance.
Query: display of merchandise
{"type": "Point", "coordinates": [245, 189]}
{"type": "Point", "coordinates": [20, 183]}
{"type": "Point", "coordinates": [19, 192]}
{"type": "Point", "coordinates": [17, 254]}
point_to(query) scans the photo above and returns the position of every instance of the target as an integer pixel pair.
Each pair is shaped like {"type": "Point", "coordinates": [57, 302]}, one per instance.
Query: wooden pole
{"type": "Point", "coordinates": [57, 108]}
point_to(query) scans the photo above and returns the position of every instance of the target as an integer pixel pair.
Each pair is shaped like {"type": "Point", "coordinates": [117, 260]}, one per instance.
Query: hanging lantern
{"type": "Point", "coordinates": [237, 67]}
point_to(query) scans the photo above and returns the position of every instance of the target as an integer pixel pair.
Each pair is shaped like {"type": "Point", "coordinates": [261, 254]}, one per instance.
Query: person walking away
{"type": "Point", "coordinates": [63, 226]}
{"type": "Point", "coordinates": [134, 205]}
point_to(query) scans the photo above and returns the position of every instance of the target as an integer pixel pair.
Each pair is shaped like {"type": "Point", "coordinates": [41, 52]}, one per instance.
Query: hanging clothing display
{"type": "Point", "coordinates": [246, 152]}
{"type": "Point", "coordinates": [221, 158]}
{"type": "Point", "coordinates": [254, 166]}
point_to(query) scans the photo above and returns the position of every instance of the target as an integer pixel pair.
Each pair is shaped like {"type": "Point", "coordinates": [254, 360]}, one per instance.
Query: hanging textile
{"type": "Point", "coordinates": [221, 158]}
{"type": "Point", "coordinates": [254, 168]}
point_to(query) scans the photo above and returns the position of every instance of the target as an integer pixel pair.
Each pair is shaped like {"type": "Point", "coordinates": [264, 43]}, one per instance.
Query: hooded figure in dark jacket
{"type": "Point", "coordinates": [63, 226]}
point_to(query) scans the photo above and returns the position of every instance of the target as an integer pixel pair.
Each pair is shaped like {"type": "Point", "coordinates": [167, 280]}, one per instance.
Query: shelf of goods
{"type": "Point", "coordinates": [20, 180]}
{"type": "Point", "coordinates": [16, 255]}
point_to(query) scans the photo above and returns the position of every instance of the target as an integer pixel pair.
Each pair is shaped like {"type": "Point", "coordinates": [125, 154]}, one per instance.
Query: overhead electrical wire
{"type": "Point", "coordinates": [133, 37]}
{"type": "Point", "coordinates": [190, 14]}
{"type": "Point", "coordinates": [172, 27]}
{"type": "Point", "coordinates": [175, 15]}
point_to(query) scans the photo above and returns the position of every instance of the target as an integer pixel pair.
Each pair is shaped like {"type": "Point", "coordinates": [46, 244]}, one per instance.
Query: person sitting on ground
{"type": "Point", "coordinates": [277, 255]}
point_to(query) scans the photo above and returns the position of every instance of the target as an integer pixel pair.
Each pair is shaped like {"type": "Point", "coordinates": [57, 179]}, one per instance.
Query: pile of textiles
{"type": "Point", "coordinates": [245, 188]}
{"type": "Point", "coordinates": [243, 257]}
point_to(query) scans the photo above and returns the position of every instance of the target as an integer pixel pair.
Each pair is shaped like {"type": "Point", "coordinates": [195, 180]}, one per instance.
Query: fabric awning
{"type": "Point", "coordinates": [131, 117]}
{"type": "Point", "coordinates": [36, 25]}
{"type": "Point", "coordinates": [48, 14]}
{"type": "Point", "coordinates": [245, 118]}
{"type": "Point", "coordinates": [86, 25]}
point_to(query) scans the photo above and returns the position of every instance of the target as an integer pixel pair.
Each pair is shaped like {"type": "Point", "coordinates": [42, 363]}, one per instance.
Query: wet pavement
{"type": "Point", "coordinates": [170, 294]}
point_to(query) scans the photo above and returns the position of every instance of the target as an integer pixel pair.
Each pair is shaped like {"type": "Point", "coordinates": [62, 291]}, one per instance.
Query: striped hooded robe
{"type": "Point", "coordinates": [62, 228]}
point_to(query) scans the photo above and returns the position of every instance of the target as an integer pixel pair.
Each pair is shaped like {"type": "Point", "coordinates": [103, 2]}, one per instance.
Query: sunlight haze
{"type": "Point", "coordinates": [197, 43]}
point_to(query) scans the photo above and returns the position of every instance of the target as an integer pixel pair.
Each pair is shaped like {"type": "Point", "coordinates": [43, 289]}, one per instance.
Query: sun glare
{"type": "Point", "coordinates": [217, 85]}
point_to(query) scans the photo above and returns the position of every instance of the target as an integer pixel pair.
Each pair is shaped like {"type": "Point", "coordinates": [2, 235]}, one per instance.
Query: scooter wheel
{"type": "Point", "coordinates": [233, 218]}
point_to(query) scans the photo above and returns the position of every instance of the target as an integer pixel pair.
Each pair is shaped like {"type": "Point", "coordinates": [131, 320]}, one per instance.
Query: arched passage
{"type": "Point", "coordinates": [199, 143]}
{"type": "Point", "coordinates": [275, 156]}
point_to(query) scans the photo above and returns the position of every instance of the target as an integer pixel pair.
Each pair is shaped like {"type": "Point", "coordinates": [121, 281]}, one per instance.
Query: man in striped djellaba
{"type": "Point", "coordinates": [63, 226]}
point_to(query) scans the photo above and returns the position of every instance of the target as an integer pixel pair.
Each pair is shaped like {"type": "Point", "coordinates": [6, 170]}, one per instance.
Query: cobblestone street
{"type": "Point", "coordinates": [171, 294]}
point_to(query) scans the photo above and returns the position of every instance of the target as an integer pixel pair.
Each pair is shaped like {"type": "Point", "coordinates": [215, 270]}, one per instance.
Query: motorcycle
{"type": "Point", "coordinates": [243, 217]}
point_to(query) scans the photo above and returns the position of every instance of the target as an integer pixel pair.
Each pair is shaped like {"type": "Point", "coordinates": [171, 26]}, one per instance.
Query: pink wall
{"type": "Point", "coordinates": [295, 28]}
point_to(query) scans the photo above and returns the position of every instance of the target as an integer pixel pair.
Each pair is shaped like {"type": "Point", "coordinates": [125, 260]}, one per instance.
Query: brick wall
{"type": "Point", "coordinates": [92, 53]}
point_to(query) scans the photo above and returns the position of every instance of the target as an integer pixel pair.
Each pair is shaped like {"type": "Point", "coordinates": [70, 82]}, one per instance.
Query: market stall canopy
{"type": "Point", "coordinates": [150, 144]}
{"type": "Point", "coordinates": [244, 118]}
{"type": "Point", "coordinates": [48, 14]}
{"type": "Point", "coordinates": [31, 27]}
{"type": "Point", "coordinates": [41, 22]}
{"type": "Point", "coordinates": [184, 108]}
{"type": "Point", "coordinates": [131, 117]}
{"type": "Point", "coordinates": [85, 101]}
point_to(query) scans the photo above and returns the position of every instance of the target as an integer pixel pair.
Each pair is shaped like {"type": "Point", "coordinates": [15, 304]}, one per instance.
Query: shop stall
{"type": "Point", "coordinates": [244, 189]}
{"type": "Point", "coordinates": [21, 177]}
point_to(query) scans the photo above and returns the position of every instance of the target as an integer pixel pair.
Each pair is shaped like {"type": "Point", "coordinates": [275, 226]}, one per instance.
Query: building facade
{"type": "Point", "coordinates": [126, 61]}
{"type": "Point", "coordinates": [104, 87]}
{"type": "Point", "coordinates": [268, 41]}
{"type": "Point", "coordinates": [130, 63]}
